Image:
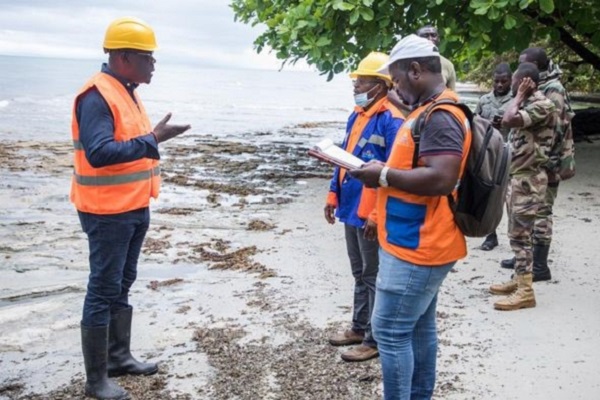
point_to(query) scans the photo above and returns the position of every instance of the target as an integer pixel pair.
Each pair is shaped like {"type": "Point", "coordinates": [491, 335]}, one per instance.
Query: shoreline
{"type": "Point", "coordinates": [256, 327]}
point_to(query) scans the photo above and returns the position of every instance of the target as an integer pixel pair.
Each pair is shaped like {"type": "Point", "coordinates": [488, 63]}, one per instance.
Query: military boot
{"type": "Point", "coordinates": [509, 263]}
{"type": "Point", "coordinates": [523, 297]}
{"type": "Point", "coordinates": [490, 242]}
{"type": "Point", "coordinates": [541, 272]}
{"type": "Point", "coordinates": [94, 343]}
{"type": "Point", "coordinates": [120, 360]}
{"type": "Point", "coordinates": [505, 288]}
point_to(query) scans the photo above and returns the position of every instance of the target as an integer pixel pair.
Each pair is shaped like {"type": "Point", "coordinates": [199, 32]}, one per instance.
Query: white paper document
{"type": "Point", "coordinates": [327, 151]}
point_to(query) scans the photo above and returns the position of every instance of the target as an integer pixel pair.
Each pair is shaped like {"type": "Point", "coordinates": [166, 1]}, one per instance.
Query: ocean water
{"type": "Point", "coordinates": [36, 96]}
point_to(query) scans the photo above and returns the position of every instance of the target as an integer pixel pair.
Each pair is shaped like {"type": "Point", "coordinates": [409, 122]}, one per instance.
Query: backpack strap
{"type": "Point", "coordinates": [420, 122]}
{"type": "Point", "coordinates": [416, 131]}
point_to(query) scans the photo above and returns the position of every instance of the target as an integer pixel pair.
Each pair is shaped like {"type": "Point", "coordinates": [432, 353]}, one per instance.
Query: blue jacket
{"type": "Point", "coordinates": [375, 143]}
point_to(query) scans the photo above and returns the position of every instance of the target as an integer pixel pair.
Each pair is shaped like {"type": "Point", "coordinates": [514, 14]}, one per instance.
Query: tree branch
{"type": "Point", "coordinates": [585, 35]}
{"type": "Point", "coordinates": [579, 48]}
{"type": "Point", "coordinates": [568, 39]}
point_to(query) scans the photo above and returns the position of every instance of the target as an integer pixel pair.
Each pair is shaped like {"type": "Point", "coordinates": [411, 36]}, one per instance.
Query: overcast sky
{"type": "Point", "coordinates": [191, 31]}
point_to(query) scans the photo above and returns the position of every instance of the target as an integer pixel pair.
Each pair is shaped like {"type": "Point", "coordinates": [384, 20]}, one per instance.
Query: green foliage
{"type": "Point", "coordinates": [577, 76]}
{"type": "Point", "coordinates": [333, 35]}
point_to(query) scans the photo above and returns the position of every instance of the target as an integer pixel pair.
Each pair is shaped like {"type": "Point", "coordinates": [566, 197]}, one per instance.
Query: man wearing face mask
{"type": "Point", "coordinates": [370, 133]}
{"type": "Point", "coordinates": [491, 106]}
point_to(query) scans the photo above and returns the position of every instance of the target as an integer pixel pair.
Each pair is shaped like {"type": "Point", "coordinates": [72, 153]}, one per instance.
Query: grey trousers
{"type": "Point", "coordinates": [364, 261]}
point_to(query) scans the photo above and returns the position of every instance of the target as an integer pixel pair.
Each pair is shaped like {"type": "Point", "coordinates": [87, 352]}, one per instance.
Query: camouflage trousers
{"type": "Point", "coordinates": [542, 231]}
{"type": "Point", "coordinates": [526, 196]}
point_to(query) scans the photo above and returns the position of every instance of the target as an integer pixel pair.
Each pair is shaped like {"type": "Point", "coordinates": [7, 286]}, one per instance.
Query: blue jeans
{"type": "Point", "coordinates": [364, 262]}
{"type": "Point", "coordinates": [115, 242]}
{"type": "Point", "coordinates": [404, 326]}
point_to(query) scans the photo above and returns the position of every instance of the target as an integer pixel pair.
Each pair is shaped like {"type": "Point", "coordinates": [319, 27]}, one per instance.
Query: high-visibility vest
{"type": "Point", "coordinates": [420, 229]}
{"type": "Point", "coordinates": [120, 187]}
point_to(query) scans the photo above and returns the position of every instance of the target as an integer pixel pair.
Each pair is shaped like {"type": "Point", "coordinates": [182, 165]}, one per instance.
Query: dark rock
{"type": "Point", "coordinates": [585, 123]}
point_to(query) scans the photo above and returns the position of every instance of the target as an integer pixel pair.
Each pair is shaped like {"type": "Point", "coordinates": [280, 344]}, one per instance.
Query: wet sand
{"type": "Point", "coordinates": [241, 281]}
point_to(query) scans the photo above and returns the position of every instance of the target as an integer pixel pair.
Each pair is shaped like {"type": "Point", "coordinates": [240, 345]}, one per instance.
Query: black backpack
{"type": "Point", "coordinates": [482, 188]}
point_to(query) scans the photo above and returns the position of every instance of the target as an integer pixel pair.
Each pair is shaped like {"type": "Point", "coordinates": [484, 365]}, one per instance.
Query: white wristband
{"type": "Point", "coordinates": [383, 177]}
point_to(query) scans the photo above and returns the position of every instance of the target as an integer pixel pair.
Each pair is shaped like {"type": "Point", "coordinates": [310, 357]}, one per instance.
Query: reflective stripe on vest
{"type": "Point", "coordinates": [373, 139]}
{"type": "Point", "coordinates": [116, 179]}
{"type": "Point", "coordinates": [121, 187]}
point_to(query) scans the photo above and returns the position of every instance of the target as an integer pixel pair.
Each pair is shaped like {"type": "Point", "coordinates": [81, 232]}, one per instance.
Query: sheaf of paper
{"type": "Point", "coordinates": [326, 146]}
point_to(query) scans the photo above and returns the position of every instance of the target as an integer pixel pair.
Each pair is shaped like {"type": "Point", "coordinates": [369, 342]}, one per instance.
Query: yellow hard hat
{"type": "Point", "coordinates": [130, 33]}
{"type": "Point", "coordinates": [370, 65]}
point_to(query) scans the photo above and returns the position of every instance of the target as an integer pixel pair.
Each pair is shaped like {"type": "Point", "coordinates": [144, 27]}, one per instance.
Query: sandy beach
{"type": "Point", "coordinates": [240, 283]}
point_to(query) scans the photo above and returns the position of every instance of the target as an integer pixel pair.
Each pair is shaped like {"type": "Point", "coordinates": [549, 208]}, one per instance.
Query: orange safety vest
{"type": "Point", "coordinates": [420, 229]}
{"type": "Point", "coordinates": [121, 187]}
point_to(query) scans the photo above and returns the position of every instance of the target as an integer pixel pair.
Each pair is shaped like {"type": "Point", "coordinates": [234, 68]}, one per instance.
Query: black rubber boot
{"type": "Point", "coordinates": [509, 263]}
{"type": "Point", "coordinates": [94, 342]}
{"type": "Point", "coordinates": [490, 242]}
{"type": "Point", "coordinates": [120, 360]}
{"type": "Point", "coordinates": [541, 272]}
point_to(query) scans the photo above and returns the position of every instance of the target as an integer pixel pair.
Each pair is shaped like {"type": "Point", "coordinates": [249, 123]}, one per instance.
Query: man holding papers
{"type": "Point", "coordinates": [420, 242]}
{"type": "Point", "coordinates": [370, 133]}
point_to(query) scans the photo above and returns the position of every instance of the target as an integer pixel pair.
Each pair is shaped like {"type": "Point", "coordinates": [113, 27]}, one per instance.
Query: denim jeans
{"type": "Point", "coordinates": [115, 242]}
{"type": "Point", "coordinates": [404, 326]}
{"type": "Point", "coordinates": [364, 262]}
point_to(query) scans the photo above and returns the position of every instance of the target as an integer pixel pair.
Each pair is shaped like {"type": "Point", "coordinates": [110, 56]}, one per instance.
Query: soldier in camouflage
{"type": "Point", "coordinates": [532, 118]}
{"type": "Point", "coordinates": [561, 164]}
{"type": "Point", "coordinates": [491, 106]}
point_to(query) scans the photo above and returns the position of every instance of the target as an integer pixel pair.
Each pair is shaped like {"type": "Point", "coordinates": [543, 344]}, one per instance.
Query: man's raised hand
{"type": "Point", "coordinates": [164, 131]}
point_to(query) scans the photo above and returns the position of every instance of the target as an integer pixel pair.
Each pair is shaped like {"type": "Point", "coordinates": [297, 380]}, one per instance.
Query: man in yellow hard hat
{"type": "Point", "coordinates": [116, 173]}
{"type": "Point", "coordinates": [370, 133]}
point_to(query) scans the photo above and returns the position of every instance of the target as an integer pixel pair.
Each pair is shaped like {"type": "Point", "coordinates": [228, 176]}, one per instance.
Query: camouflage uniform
{"type": "Point", "coordinates": [490, 105]}
{"type": "Point", "coordinates": [530, 147]}
{"type": "Point", "coordinates": [448, 73]}
{"type": "Point", "coordinates": [561, 156]}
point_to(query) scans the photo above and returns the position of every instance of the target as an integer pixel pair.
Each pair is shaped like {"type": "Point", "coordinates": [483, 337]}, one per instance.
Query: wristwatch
{"type": "Point", "coordinates": [383, 177]}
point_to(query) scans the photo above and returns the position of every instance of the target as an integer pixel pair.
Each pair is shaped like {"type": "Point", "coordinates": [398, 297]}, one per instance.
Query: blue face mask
{"type": "Point", "coordinates": [362, 99]}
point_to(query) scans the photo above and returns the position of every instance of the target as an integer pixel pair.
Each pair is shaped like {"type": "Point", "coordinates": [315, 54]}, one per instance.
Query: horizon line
{"type": "Point", "coordinates": [171, 62]}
